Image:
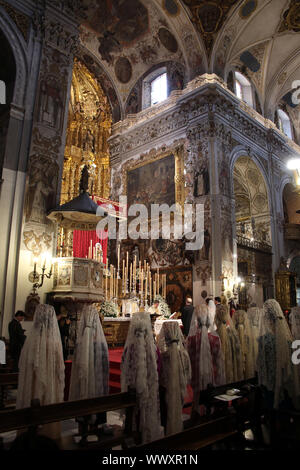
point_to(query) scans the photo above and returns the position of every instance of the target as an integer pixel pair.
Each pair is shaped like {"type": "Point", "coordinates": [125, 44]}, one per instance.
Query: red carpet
{"type": "Point", "coordinates": [115, 356]}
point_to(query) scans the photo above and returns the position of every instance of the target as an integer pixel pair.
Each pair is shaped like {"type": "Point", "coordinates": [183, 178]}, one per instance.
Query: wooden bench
{"type": "Point", "coordinates": [220, 430]}
{"type": "Point", "coordinates": [36, 415]}
{"type": "Point", "coordinates": [6, 379]}
{"type": "Point", "coordinates": [248, 408]}
{"type": "Point", "coordinates": [284, 429]}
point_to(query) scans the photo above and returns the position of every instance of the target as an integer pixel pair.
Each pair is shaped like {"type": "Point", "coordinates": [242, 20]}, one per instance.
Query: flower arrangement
{"type": "Point", "coordinates": [163, 306]}
{"type": "Point", "coordinates": [109, 309]}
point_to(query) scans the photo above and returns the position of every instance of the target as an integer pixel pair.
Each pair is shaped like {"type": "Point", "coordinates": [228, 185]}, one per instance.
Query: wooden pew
{"type": "Point", "coordinates": [248, 408]}
{"type": "Point", "coordinates": [6, 379]}
{"type": "Point", "coordinates": [199, 437]}
{"type": "Point", "coordinates": [36, 415]}
{"type": "Point", "coordinates": [284, 429]}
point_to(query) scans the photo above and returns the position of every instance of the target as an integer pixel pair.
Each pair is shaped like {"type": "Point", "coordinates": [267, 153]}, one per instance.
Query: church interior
{"type": "Point", "coordinates": [150, 205]}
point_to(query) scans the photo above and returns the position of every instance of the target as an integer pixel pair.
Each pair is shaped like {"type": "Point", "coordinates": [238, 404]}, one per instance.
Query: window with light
{"type": "Point", "coordinates": [159, 89]}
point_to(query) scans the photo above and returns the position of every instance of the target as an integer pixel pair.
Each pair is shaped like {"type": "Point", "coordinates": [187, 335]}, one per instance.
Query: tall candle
{"type": "Point", "coordinates": [118, 260]}
{"type": "Point", "coordinates": [123, 276]}
{"type": "Point", "coordinates": [111, 281]}
{"type": "Point", "coordinates": [134, 274]}
{"type": "Point", "coordinates": [146, 288]}
{"type": "Point", "coordinates": [130, 281]}
{"type": "Point", "coordinates": [106, 284]}
{"type": "Point", "coordinates": [142, 279]}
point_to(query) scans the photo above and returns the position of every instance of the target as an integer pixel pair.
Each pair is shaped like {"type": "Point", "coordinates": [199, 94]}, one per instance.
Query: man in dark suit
{"type": "Point", "coordinates": [16, 338]}
{"type": "Point", "coordinates": [186, 316]}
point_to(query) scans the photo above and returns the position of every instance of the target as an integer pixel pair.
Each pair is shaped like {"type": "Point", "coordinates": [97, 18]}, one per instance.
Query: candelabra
{"type": "Point", "coordinates": [37, 279]}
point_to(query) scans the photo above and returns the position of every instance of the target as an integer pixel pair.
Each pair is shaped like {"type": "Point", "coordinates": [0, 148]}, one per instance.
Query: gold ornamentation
{"type": "Point", "coordinates": [22, 21]}
{"type": "Point", "coordinates": [37, 243]}
{"type": "Point", "coordinates": [177, 149]}
{"type": "Point", "coordinates": [89, 128]}
{"type": "Point", "coordinates": [209, 17]}
{"type": "Point", "coordinates": [291, 18]}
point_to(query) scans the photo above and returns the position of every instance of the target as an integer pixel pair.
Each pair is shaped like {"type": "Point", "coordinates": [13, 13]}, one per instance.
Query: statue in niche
{"type": "Point", "coordinates": [84, 180]}
{"type": "Point", "coordinates": [40, 196]}
{"type": "Point", "coordinates": [89, 142]}
{"type": "Point", "coordinates": [205, 251]}
{"type": "Point", "coordinates": [202, 185]}
{"type": "Point", "coordinates": [50, 111]}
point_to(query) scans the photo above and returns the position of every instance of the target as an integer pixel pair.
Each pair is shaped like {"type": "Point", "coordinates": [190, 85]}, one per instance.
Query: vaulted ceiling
{"type": "Point", "coordinates": [127, 38]}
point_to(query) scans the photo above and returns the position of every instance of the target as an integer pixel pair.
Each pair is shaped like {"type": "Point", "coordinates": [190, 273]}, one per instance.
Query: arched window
{"type": "Point", "coordinates": [284, 123]}
{"type": "Point", "coordinates": [243, 89]}
{"type": "Point", "coordinates": [155, 87]}
{"type": "Point", "coordinates": [159, 89]}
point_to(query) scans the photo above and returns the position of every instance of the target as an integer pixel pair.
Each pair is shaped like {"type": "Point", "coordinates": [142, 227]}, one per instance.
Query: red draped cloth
{"type": "Point", "coordinates": [82, 241]}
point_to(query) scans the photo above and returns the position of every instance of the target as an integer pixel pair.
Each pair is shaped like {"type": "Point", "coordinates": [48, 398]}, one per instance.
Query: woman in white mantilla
{"type": "Point", "coordinates": [205, 352]}
{"type": "Point", "coordinates": [139, 373]}
{"type": "Point", "coordinates": [175, 373]}
{"type": "Point", "coordinates": [41, 365]}
{"type": "Point", "coordinates": [254, 314]}
{"type": "Point", "coordinates": [90, 367]}
{"type": "Point", "coordinates": [276, 372]}
{"type": "Point", "coordinates": [242, 325]}
{"type": "Point", "coordinates": [231, 345]}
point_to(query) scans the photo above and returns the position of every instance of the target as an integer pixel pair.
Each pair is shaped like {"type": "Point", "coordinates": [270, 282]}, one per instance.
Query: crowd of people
{"type": "Point", "coordinates": [212, 349]}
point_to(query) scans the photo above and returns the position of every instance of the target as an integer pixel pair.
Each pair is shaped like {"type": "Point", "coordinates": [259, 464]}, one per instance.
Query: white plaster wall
{"type": "Point", "coordinates": [11, 207]}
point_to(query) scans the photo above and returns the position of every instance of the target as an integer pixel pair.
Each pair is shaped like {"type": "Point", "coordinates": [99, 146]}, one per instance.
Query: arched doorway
{"type": "Point", "coordinates": [253, 233]}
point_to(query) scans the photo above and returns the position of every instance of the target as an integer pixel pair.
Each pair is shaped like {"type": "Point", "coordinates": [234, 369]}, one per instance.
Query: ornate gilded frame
{"type": "Point", "coordinates": [152, 156]}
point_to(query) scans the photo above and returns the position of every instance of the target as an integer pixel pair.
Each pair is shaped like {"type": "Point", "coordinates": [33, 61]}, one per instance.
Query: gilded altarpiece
{"type": "Point", "coordinates": [89, 127]}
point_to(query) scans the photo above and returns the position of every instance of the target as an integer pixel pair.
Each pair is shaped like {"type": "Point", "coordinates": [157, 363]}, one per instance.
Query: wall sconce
{"type": "Point", "coordinates": [36, 278]}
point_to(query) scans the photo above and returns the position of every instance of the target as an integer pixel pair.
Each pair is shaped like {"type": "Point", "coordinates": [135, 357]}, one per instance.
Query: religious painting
{"type": "Point", "coordinates": [179, 286]}
{"type": "Point", "coordinates": [171, 7]}
{"type": "Point", "coordinates": [120, 23]}
{"type": "Point", "coordinates": [153, 183]}
{"type": "Point", "coordinates": [168, 40]}
{"type": "Point", "coordinates": [123, 70]}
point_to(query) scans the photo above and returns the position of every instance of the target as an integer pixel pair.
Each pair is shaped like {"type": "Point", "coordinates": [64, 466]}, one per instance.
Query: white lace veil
{"type": "Point", "coordinates": [201, 310]}
{"type": "Point", "coordinates": [242, 325]}
{"type": "Point", "coordinates": [175, 373]}
{"type": "Point", "coordinates": [210, 366]}
{"type": "Point", "coordinates": [139, 372]}
{"type": "Point", "coordinates": [254, 315]}
{"type": "Point", "coordinates": [90, 367]}
{"type": "Point", "coordinates": [41, 362]}
{"type": "Point", "coordinates": [231, 346]}
{"type": "Point", "coordinates": [212, 313]}
{"type": "Point", "coordinates": [295, 322]}
{"type": "Point", "coordinates": [275, 352]}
